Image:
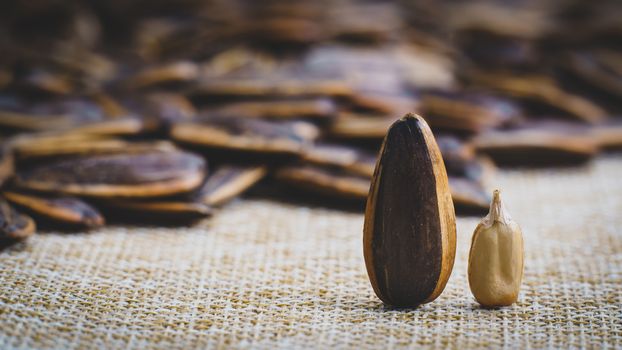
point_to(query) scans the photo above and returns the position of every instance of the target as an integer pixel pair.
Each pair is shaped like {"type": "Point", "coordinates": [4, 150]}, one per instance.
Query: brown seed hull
{"type": "Point", "coordinates": [14, 226]}
{"type": "Point", "coordinates": [214, 137]}
{"type": "Point", "coordinates": [160, 189]}
{"type": "Point", "coordinates": [282, 88]}
{"type": "Point", "coordinates": [65, 210]}
{"type": "Point", "coordinates": [228, 182]}
{"type": "Point", "coordinates": [6, 164]}
{"type": "Point", "coordinates": [409, 233]}
{"type": "Point", "coordinates": [286, 109]}
{"type": "Point", "coordinates": [151, 174]}
{"type": "Point", "coordinates": [535, 147]}
{"type": "Point", "coordinates": [360, 127]}
{"type": "Point", "coordinates": [61, 147]}
{"type": "Point", "coordinates": [332, 183]}
{"type": "Point", "coordinates": [468, 195]}
{"type": "Point", "coordinates": [24, 121]}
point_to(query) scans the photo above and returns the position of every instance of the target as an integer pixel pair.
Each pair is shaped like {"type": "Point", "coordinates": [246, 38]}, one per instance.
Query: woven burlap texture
{"type": "Point", "coordinates": [264, 274]}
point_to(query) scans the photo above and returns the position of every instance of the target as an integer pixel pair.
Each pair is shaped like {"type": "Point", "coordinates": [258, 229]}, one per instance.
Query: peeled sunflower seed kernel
{"type": "Point", "coordinates": [409, 236]}
{"type": "Point", "coordinates": [496, 259]}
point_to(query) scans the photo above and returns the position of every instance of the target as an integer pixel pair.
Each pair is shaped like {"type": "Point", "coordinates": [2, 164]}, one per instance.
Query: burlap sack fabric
{"type": "Point", "coordinates": [264, 274]}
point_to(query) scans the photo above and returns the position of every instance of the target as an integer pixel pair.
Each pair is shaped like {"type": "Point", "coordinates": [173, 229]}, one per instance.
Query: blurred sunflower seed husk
{"type": "Point", "coordinates": [115, 110]}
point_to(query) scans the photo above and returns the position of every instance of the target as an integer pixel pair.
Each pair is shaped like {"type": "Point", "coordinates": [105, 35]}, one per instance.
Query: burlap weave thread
{"type": "Point", "coordinates": [264, 274]}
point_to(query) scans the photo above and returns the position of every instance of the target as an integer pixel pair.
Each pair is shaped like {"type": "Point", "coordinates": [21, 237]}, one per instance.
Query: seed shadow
{"type": "Point", "coordinates": [535, 163]}
{"type": "Point", "coordinates": [14, 245]}
{"type": "Point", "coordinates": [298, 197]}
{"type": "Point", "coordinates": [151, 222]}
{"type": "Point", "coordinates": [469, 211]}
{"type": "Point", "coordinates": [46, 226]}
{"type": "Point", "coordinates": [388, 308]}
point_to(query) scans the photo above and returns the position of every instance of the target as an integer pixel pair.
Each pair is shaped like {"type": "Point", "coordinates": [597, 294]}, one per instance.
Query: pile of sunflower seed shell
{"type": "Point", "coordinates": [113, 111]}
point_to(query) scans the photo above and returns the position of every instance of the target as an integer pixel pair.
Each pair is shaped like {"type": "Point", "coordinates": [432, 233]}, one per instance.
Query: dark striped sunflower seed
{"type": "Point", "coordinates": [73, 144]}
{"type": "Point", "coordinates": [244, 135]}
{"type": "Point", "coordinates": [310, 108]}
{"type": "Point", "coordinates": [328, 181]}
{"type": "Point", "coordinates": [360, 126]}
{"type": "Point", "coordinates": [537, 146]}
{"type": "Point", "coordinates": [409, 236]}
{"type": "Point", "coordinates": [150, 174]}
{"type": "Point", "coordinates": [14, 226]}
{"type": "Point", "coordinates": [63, 210]}
{"type": "Point", "coordinates": [469, 196]}
{"type": "Point", "coordinates": [257, 87]}
{"type": "Point", "coordinates": [228, 182]}
{"type": "Point", "coordinates": [6, 162]}
{"type": "Point", "coordinates": [168, 74]}
{"type": "Point", "coordinates": [467, 113]}
{"type": "Point", "coordinates": [347, 157]}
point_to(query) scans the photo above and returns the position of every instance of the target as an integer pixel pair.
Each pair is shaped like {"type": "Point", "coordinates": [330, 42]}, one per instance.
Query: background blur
{"type": "Point", "coordinates": [510, 82]}
{"type": "Point", "coordinates": [291, 99]}
{"type": "Point", "coordinates": [394, 48]}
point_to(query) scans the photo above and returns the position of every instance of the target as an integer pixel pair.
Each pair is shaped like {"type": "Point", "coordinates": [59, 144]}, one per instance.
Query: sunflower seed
{"type": "Point", "coordinates": [536, 146]}
{"type": "Point", "coordinates": [346, 157]}
{"type": "Point", "coordinates": [319, 108]}
{"type": "Point", "coordinates": [46, 82]}
{"type": "Point", "coordinates": [228, 182]}
{"type": "Point", "coordinates": [282, 31]}
{"type": "Point", "coordinates": [127, 126]}
{"type": "Point", "coordinates": [469, 196]}
{"type": "Point", "coordinates": [26, 115]}
{"type": "Point", "coordinates": [331, 182]}
{"type": "Point", "coordinates": [382, 103]}
{"type": "Point", "coordinates": [608, 135]}
{"type": "Point", "coordinates": [242, 135]}
{"type": "Point", "coordinates": [150, 174]}
{"type": "Point", "coordinates": [544, 91]}
{"type": "Point", "coordinates": [169, 74]}
{"type": "Point", "coordinates": [64, 210]}
{"type": "Point", "coordinates": [360, 126]}
{"type": "Point", "coordinates": [245, 88]}
{"type": "Point", "coordinates": [59, 145]}
{"type": "Point", "coordinates": [409, 236]}
{"type": "Point", "coordinates": [467, 112]}
{"type": "Point", "coordinates": [13, 225]}
{"type": "Point", "coordinates": [456, 154]}
{"type": "Point", "coordinates": [27, 121]}
{"type": "Point", "coordinates": [594, 68]}
{"type": "Point", "coordinates": [168, 108]}
{"type": "Point", "coordinates": [6, 162]}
